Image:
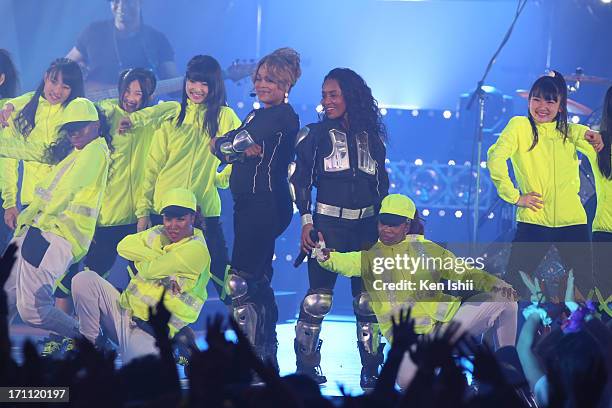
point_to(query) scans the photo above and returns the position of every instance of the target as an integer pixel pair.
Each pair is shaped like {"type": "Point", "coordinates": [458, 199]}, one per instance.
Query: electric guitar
{"type": "Point", "coordinates": [235, 72]}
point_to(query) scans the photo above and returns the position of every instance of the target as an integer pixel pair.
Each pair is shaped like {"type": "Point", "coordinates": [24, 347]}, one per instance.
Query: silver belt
{"type": "Point", "coordinates": [346, 213]}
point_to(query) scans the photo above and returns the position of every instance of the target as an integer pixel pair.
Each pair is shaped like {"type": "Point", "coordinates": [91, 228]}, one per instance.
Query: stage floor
{"type": "Point", "coordinates": [340, 357]}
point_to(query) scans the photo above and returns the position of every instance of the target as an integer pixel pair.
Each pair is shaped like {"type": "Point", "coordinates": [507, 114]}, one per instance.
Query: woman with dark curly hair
{"type": "Point", "coordinates": [343, 156]}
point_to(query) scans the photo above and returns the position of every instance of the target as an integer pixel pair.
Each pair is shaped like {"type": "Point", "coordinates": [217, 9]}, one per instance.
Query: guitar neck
{"type": "Point", "coordinates": [235, 73]}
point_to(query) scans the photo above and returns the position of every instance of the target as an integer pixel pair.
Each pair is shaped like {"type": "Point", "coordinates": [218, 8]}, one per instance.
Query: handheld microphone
{"type": "Point", "coordinates": [314, 236]}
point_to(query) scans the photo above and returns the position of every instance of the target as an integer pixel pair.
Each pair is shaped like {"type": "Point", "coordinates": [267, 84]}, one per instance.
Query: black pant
{"type": "Point", "coordinates": [258, 220]}
{"type": "Point", "coordinates": [100, 257]}
{"type": "Point", "coordinates": [531, 243]}
{"type": "Point", "coordinates": [343, 236]}
{"type": "Point", "coordinates": [602, 260]}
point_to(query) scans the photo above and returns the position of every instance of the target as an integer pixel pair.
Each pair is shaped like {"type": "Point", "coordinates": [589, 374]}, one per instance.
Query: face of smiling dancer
{"type": "Point", "coordinates": [542, 110]}
{"type": "Point", "coordinates": [196, 91]}
{"type": "Point", "coordinates": [132, 98]}
{"type": "Point", "coordinates": [55, 90]}
{"type": "Point", "coordinates": [268, 90]}
{"type": "Point", "coordinates": [85, 135]}
{"type": "Point", "coordinates": [332, 99]}
{"type": "Point", "coordinates": [178, 228]}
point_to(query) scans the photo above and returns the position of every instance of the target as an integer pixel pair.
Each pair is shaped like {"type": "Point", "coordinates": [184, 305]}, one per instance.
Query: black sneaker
{"type": "Point", "coordinates": [368, 379]}
{"type": "Point", "coordinates": [314, 373]}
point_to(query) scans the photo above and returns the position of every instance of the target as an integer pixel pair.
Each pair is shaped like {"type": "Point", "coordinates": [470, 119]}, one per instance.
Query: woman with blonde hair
{"type": "Point", "coordinates": [261, 150]}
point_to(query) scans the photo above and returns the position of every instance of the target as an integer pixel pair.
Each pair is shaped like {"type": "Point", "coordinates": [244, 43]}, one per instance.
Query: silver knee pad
{"type": "Point", "coordinates": [362, 306]}
{"type": "Point", "coordinates": [236, 286]}
{"type": "Point", "coordinates": [317, 305]}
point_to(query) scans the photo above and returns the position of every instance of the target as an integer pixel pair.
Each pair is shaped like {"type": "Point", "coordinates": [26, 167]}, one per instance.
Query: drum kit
{"type": "Point", "coordinates": [574, 81]}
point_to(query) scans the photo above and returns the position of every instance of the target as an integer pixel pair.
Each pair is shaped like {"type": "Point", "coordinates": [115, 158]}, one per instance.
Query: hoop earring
{"type": "Point", "coordinates": [286, 97]}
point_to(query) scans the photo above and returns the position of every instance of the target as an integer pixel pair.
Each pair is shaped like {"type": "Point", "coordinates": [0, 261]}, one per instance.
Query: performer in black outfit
{"type": "Point", "coordinates": [261, 150]}
{"type": "Point", "coordinates": [343, 156]}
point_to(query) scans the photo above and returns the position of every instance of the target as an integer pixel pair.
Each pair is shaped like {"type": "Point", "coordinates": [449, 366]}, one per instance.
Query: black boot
{"type": "Point", "coordinates": [309, 364]}
{"type": "Point", "coordinates": [370, 363]}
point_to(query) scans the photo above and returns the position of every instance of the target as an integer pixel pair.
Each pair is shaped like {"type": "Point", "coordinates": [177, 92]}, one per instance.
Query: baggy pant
{"type": "Point", "coordinates": [96, 303]}
{"type": "Point", "coordinates": [29, 288]}
{"type": "Point", "coordinates": [475, 319]}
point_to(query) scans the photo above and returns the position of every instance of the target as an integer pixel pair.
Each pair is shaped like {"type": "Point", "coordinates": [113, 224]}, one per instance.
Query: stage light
{"type": "Point", "coordinates": [274, 257]}
{"type": "Point", "coordinates": [383, 111]}
{"type": "Point", "coordinates": [418, 162]}
{"type": "Point", "coordinates": [319, 108]}
{"type": "Point", "coordinates": [491, 216]}
{"type": "Point", "coordinates": [447, 114]}
{"type": "Point", "coordinates": [240, 105]}
{"type": "Point", "coordinates": [392, 185]}
{"type": "Point", "coordinates": [256, 105]}
{"type": "Point", "coordinates": [483, 164]}
{"type": "Point", "coordinates": [467, 163]}
{"type": "Point", "coordinates": [288, 258]}
{"type": "Point", "coordinates": [425, 212]}
{"type": "Point", "coordinates": [387, 161]}
{"type": "Point", "coordinates": [458, 214]}
{"type": "Point", "coordinates": [576, 118]}
{"type": "Point", "coordinates": [451, 163]}
{"type": "Point", "coordinates": [415, 112]}
{"type": "Point", "coordinates": [441, 213]}
{"type": "Point", "coordinates": [606, 1]}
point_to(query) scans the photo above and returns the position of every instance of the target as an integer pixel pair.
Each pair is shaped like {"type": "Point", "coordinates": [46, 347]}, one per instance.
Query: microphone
{"type": "Point", "coordinates": [314, 236]}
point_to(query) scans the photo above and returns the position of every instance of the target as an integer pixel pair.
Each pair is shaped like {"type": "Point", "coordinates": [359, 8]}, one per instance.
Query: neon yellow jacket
{"type": "Point", "coordinates": [550, 169]}
{"type": "Point", "coordinates": [48, 120]}
{"type": "Point", "coordinates": [67, 200]}
{"type": "Point", "coordinates": [180, 157]}
{"type": "Point", "coordinates": [2, 161]}
{"type": "Point", "coordinates": [603, 187]}
{"type": "Point", "coordinates": [128, 158]}
{"type": "Point", "coordinates": [428, 307]}
{"type": "Point", "coordinates": [158, 261]}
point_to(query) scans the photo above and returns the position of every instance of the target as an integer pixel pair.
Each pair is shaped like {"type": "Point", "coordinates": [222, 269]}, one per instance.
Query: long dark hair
{"type": "Point", "coordinates": [146, 79]}
{"type": "Point", "coordinates": [58, 150]}
{"type": "Point", "coordinates": [604, 156]}
{"type": "Point", "coordinates": [204, 68]}
{"type": "Point", "coordinates": [71, 76]}
{"type": "Point", "coordinates": [8, 89]}
{"type": "Point", "coordinates": [361, 107]}
{"type": "Point", "coordinates": [550, 88]}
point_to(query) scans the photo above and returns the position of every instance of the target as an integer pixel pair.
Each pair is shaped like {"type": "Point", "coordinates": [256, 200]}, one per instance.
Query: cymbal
{"type": "Point", "coordinates": [573, 107]}
{"type": "Point", "coordinates": [587, 78]}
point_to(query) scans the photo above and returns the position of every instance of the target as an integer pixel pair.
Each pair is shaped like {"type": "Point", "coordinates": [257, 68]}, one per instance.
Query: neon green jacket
{"type": "Point", "coordinates": [2, 161]}
{"type": "Point", "coordinates": [158, 261]}
{"type": "Point", "coordinates": [128, 159]}
{"type": "Point", "coordinates": [180, 157]}
{"type": "Point", "coordinates": [550, 169]}
{"type": "Point", "coordinates": [603, 187]}
{"type": "Point", "coordinates": [48, 119]}
{"type": "Point", "coordinates": [428, 307]}
{"type": "Point", "coordinates": [67, 200]}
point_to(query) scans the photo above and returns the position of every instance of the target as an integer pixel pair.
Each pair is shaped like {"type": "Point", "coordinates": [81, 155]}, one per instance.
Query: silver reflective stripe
{"type": "Point", "coordinates": [280, 136]}
{"type": "Point", "coordinates": [346, 213]}
{"type": "Point", "coordinates": [45, 194]}
{"type": "Point", "coordinates": [83, 210]}
{"type": "Point", "coordinates": [154, 234]}
{"type": "Point", "coordinates": [185, 297]}
{"type": "Point", "coordinates": [82, 240]}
